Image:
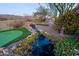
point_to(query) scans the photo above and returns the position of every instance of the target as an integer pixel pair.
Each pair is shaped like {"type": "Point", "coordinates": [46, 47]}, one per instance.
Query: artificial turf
{"type": "Point", "coordinates": [10, 36]}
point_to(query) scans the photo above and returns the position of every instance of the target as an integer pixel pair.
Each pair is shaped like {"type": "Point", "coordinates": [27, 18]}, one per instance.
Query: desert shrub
{"type": "Point", "coordinates": [65, 47]}
{"type": "Point", "coordinates": [25, 47]}
{"type": "Point", "coordinates": [40, 19]}
{"type": "Point", "coordinates": [37, 19]}
{"type": "Point", "coordinates": [42, 24]}
{"type": "Point", "coordinates": [23, 51]}
{"type": "Point", "coordinates": [16, 23]}
{"type": "Point", "coordinates": [69, 20]}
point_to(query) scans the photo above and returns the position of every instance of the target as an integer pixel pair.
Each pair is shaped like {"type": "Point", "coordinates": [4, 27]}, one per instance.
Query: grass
{"type": "Point", "coordinates": [22, 36]}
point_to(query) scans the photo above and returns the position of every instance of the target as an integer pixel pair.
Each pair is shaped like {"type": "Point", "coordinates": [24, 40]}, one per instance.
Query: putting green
{"type": "Point", "coordinates": [10, 36]}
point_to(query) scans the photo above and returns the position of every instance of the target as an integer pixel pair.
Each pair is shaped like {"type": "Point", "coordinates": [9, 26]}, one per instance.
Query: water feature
{"type": "Point", "coordinates": [42, 47]}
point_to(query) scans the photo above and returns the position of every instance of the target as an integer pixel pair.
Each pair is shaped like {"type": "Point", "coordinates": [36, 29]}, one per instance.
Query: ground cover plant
{"type": "Point", "coordinates": [25, 47]}
{"type": "Point", "coordinates": [66, 47]}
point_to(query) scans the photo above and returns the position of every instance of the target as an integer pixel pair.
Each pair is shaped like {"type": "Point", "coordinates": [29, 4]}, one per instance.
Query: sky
{"type": "Point", "coordinates": [18, 8]}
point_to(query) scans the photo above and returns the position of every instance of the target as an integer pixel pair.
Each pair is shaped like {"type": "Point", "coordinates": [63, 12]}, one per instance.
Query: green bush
{"type": "Point", "coordinates": [77, 34]}
{"type": "Point", "coordinates": [70, 21]}
{"type": "Point", "coordinates": [65, 47]}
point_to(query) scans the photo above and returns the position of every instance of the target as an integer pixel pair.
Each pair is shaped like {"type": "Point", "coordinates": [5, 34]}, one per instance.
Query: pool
{"type": "Point", "coordinates": [9, 36]}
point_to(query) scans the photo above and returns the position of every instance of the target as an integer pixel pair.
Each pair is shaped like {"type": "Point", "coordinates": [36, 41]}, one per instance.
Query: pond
{"type": "Point", "coordinates": [42, 46]}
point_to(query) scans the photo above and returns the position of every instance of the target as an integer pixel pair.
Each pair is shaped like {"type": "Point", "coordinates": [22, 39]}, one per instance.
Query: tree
{"type": "Point", "coordinates": [41, 11]}
{"type": "Point", "coordinates": [70, 22]}
{"type": "Point", "coordinates": [76, 8]}
{"type": "Point", "coordinates": [60, 8]}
